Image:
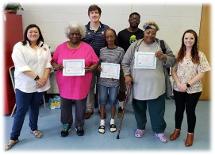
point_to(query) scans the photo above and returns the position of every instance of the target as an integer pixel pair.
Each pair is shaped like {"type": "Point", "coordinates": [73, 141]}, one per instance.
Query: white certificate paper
{"type": "Point", "coordinates": [73, 67]}
{"type": "Point", "coordinates": [145, 60]}
{"type": "Point", "coordinates": [110, 70]}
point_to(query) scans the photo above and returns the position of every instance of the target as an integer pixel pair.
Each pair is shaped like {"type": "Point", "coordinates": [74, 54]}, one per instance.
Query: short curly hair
{"type": "Point", "coordinates": [74, 25]}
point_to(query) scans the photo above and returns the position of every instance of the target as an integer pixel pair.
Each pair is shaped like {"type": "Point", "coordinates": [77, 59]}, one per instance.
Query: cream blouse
{"type": "Point", "coordinates": [186, 70]}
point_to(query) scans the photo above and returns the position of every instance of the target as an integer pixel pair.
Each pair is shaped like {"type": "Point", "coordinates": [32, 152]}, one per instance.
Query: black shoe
{"type": "Point", "coordinates": [113, 128]}
{"type": "Point", "coordinates": [79, 131]}
{"type": "Point", "coordinates": [65, 131]}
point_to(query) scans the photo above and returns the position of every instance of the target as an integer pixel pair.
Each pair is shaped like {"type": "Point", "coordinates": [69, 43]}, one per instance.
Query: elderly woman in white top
{"type": "Point", "coordinates": [143, 66]}
{"type": "Point", "coordinates": [31, 59]}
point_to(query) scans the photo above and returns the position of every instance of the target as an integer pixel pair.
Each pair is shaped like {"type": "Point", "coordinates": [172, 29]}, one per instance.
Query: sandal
{"type": "Point", "coordinates": [37, 133]}
{"type": "Point", "coordinates": [112, 128]}
{"type": "Point", "coordinates": [10, 144]}
{"type": "Point", "coordinates": [139, 133]}
{"type": "Point", "coordinates": [102, 129]}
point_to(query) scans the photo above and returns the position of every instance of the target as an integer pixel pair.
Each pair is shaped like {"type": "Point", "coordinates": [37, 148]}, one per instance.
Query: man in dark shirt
{"type": "Point", "coordinates": [95, 37]}
{"type": "Point", "coordinates": [125, 38]}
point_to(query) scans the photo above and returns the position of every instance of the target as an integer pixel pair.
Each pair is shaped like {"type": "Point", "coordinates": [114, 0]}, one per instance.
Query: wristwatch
{"type": "Point", "coordinates": [188, 85]}
{"type": "Point", "coordinates": [36, 78]}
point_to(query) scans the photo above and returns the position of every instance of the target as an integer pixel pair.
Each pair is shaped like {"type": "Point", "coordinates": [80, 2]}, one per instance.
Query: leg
{"type": "Point", "coordinates": [22, 103]}
{"type": "Point", "coordinates": [140, 113]}
{"type": "Point", "coordinates": [91, 97]}
{"type": "Point", "coordinates": [180, 107]}
{"type": "Point", "coordinates": [102, 95]}
{"type": "Point", "coordinates": [34, 110]}
{"type": "Point", "coordinates": [179, 112]}
{"type": "Point", "coordinates": [192, 100]}
{"type": "Point", "coordinates": [66, 116]}
{"type": "Point", "coordinates": [156, 112]}
{"type": "Point", "coordinates": [66, 111]}
{"type": "Point", "coordinates": [113, 91]}
{"type": "Point", "coordinates": [80, 108]}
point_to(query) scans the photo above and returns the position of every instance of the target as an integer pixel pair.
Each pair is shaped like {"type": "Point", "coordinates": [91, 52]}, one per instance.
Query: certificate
{"type": "Point", "coordinates": [145, 60]}
{"type": "Point", "coordinates": [110, 70]}
{"type": "Point", "coordinates": [73, 67]}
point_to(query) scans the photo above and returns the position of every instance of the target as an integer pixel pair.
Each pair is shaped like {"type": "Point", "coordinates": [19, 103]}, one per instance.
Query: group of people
{"type": "Point", "coordinates": [97, 43]}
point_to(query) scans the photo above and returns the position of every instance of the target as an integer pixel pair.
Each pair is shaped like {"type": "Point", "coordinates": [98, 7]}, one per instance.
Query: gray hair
{"type": "Point", "coordinates": [74, 25]}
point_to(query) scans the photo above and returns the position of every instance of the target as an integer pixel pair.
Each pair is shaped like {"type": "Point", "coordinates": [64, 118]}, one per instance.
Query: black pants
{"type": "Point", "coordinates": [186, 101]}
{"type": "Point", "coordinates": [66, 111]}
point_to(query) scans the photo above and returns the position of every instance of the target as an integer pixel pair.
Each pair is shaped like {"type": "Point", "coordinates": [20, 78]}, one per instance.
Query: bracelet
{"type": "Point", "coordinates": [36, 78]}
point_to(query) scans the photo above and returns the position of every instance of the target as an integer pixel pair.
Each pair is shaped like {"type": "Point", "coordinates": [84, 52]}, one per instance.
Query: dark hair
{"type": "Point", "coordinates": [110, 29]}
{"type": "Point", "coordinates": [134, 13]}
{"type": "Point", "coordinates": [93, 8]}
{"type": "Point", "coordinates": [194, 51]}
{"type": "Point", "coordinates": [24, 42]}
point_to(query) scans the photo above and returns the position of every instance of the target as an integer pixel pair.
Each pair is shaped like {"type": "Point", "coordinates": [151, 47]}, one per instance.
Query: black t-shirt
{"type": "Point", "coordinates": [126, 38]}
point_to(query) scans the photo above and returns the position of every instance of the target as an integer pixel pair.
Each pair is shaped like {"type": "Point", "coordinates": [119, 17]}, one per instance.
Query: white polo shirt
{"type": "Point", "coordinates": [26, 58]}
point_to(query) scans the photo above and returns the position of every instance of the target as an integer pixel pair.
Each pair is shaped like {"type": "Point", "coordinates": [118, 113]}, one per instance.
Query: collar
{"type": "Point", "coordinates": [89, 28]}
{"type": "Point", "coordinates": [39, 45]}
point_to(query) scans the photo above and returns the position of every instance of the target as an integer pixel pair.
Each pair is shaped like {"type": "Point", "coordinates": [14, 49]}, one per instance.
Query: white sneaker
{"type": "Point", "coordinates": [161, 137]}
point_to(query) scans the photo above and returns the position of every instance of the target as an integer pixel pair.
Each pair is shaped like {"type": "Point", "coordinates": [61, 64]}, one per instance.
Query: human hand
{"type": "Point", "coordinates": [91, 68]}
{"type": "Point", "coordinates": [128, 81]}
{"type": "Point", "coordinates": [41, 82]}
{"type": "Point", "coordinates": [99, 68]}
{"type": "Point", "coordinates": [56, 66]}
{"type": "Point", "coordinates": [182, 87]}
{"type": "Point", "coordinates": [161, 56]}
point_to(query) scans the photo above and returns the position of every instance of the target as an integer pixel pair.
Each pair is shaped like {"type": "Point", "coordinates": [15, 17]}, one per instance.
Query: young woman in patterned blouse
{"type": "Point", "coordinates": [191, 65]}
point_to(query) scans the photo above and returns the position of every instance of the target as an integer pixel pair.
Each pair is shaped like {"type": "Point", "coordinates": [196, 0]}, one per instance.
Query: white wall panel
{"type": "Point", "coordinates": [173, 20]}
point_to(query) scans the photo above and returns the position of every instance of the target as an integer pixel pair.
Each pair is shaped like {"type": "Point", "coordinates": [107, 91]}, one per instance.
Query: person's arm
{"type": "Point", "coordinates": [168, 58]}
{"type": "Point", "coordinates": [196, 78]}
{"type": "Point", "coordinates": [126, 64]}
{"type": "Point", "coordinates": [94, 61]}
{"type": "Point", "coordinates": [91, 68]}
{"type": "Point", "coordinates": [42, 80]}
{"type": "Point", "coordinates": [54, 60]}
{"type": "Point", "coordinates": [20, 63]}
{"type": "Point", "coordinates": [181, 86]}
{"type": "Point", "coordinates": [202, 68]}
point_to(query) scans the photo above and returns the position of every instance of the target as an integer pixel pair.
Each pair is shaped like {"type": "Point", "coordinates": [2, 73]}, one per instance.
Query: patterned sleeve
{"type": "Point", "coordinates": [204, 65]}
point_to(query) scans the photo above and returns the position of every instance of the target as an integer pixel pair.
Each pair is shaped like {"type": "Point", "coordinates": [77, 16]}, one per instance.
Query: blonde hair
{"type": "Point", "coordinates": [74, 25]}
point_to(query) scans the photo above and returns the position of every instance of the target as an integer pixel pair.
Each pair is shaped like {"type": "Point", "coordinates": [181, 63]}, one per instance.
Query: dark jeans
{"type": "Point", "coordinates": [156, 109]}
{"type": "Point", "coordinates": [25, 101]}
{"type": "Point", "coordinates": [66, 111]}
{"type": "Point", "coordinates": [186, 101]}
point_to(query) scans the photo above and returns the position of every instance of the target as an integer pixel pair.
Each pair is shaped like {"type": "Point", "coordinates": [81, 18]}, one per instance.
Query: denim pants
{"type": "Point", "coordinates": [108, 95]}
{"type": "Point", "coordinates": [156, 109]}
{"type": "Point", "coordinates": [25, 101]}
